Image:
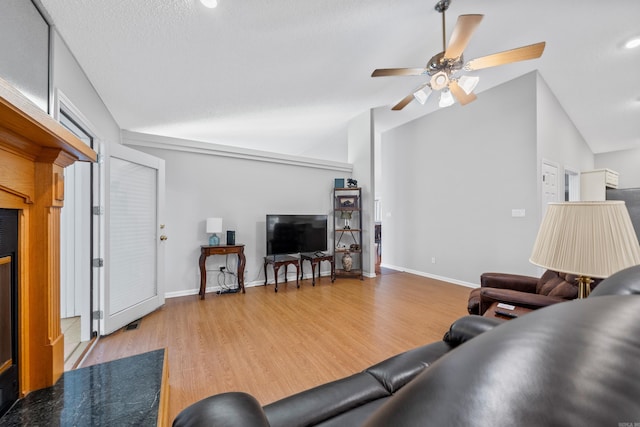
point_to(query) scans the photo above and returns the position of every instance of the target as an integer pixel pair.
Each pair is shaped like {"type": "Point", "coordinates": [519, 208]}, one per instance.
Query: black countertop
{"type": "Point", "coordinates": [124, 392]}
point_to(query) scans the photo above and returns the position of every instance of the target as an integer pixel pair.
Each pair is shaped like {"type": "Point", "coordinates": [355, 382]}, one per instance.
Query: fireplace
{"type": "Point", "coordinates": [34, 150]}
{"type": "Point", "coordinates": [8, 309]}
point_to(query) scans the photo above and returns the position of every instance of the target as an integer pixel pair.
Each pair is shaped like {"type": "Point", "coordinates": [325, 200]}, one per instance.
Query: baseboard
{"type": "Point", "coordinates": [431, 276]}
{"type": "Point", "coordinates": [213, 289]}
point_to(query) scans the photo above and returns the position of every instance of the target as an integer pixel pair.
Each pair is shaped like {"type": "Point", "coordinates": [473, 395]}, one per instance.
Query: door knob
{"type": "Point", "coordinates": [163, 237]}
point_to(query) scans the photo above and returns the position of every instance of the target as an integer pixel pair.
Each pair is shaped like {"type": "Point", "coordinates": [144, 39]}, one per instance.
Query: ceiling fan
{"type": "Point", "coordinates": [442, 68]}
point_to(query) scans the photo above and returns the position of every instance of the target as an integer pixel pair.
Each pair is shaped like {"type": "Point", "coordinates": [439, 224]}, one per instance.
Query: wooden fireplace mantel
{"type": "Point", "coordinates": [34, 150]}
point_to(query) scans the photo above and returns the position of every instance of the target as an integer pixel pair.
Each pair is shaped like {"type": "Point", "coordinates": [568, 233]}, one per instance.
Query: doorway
{"type": "Point", "coordinates": [571, 185]}
{"type": "Point", "coordinates": [76, 244]}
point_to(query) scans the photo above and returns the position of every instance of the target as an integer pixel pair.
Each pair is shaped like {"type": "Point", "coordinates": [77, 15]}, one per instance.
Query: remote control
{"type": "Point", "coordinates": [505, 313]}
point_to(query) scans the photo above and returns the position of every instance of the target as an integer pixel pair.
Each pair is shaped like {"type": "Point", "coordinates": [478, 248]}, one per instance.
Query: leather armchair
{"type": "Point", "coordinates": [524, 291]}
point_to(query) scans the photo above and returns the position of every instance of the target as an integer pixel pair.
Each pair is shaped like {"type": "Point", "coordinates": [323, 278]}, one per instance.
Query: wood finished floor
{"type": "Point", "coordinates": [273, 345]}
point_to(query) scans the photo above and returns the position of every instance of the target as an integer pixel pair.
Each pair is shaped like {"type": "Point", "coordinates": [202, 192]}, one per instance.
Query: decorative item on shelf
{"type": "Point", "coordinates": [347, 262]}
{"type": "Point", "coordinates": [346, 215]}
{"type": "Point", "coordinates": [352, 183]}
{"type": "Point", "coordinates": [347, 202]}
{"type": "Point", "coordinates": [338, 183]}
{"type": "Point", "coordinates": [354, 247]}
{"type": "Point", "coordinates": [587, 239]}
{"type": "Point", "coordinates": [214, 225]}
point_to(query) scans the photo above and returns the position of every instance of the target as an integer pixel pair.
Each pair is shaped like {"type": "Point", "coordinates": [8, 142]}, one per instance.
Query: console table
{"type": "Point", "coordinates": [206, 250]}
{"type": "Point", "coordinates": [279, 261]}
{"type": "Point", "coordinates": [316, 258]}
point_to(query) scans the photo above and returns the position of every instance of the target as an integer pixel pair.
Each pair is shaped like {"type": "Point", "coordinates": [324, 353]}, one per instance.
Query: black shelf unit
{"type": "Point", "coordinates": [347, 231]}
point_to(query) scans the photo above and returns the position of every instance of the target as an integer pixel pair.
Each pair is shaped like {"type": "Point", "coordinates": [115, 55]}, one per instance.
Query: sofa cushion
{"type": "Point", "coordinates": [555, 284]}
{"type": "Point", "coordinates": [398, 370]}
{"type": "Point", "coordinates": [321, 403]}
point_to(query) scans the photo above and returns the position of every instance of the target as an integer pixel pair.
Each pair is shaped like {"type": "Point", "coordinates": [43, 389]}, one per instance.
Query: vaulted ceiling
{"type": "Point", "coordinates": [283, 75]}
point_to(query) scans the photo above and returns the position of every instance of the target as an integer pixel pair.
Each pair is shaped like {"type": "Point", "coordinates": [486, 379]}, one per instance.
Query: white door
{"type": "Point", "coordinates": [134, 261]}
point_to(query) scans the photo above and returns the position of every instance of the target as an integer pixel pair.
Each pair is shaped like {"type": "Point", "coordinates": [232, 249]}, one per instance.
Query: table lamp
{"type": "Point", "coordinates": [214, 225]}
{"type": "Point", "coordinates": [587, 239]}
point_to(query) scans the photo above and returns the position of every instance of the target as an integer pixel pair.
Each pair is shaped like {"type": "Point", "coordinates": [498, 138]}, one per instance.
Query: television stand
{"type": "Point", "coordinates": [315, 258]}
{"type": "Point", "coordinates": [279, 261]}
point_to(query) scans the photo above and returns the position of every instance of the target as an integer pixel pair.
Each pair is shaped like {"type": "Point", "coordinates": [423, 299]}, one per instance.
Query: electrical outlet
{"type": "Point", "coordinates": [433, 260]}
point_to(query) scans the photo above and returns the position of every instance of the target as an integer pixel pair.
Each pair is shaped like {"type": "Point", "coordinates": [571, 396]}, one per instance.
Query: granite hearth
{"type": "Point", "coordinates": [127, 392]}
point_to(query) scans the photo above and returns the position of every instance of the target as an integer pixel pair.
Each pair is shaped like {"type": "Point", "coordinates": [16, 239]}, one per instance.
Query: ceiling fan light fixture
{"type": "Point", "coordinates": [632, 43]}
{"type": "Point", "coordinates": [439, 80]}
{"type": "Point", "coordinates": [422, 95]}
{"type": "Point", "coordinates": [209, 3]}
{"type": "Point", "coordinates": [468, 83]}
{"type": "Point", "coordinates": [446, 99]}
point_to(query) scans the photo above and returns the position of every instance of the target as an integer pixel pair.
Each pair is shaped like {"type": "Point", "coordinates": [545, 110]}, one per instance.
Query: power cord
{"type": "Point", "coordinates": [222, 280]}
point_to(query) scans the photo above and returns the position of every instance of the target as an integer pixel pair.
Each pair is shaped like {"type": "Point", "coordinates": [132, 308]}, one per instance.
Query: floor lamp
{"type": "Point", "coordinates": [587, 239]}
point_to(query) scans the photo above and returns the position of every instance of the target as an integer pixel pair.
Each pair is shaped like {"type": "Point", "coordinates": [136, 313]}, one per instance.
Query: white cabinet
{"type": "Point", "coordinates": [594, 184]}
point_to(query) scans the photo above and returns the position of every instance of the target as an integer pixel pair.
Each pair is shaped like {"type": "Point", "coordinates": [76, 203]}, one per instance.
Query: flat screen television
{"type": "Point", "coordinates": [289, 234]}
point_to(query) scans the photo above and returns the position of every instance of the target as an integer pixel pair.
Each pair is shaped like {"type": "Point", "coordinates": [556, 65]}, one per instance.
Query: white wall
{"type": "Point", "coordinates": [625, 162]}
{"type": "Point", "coordinates": [241, 189]}
{"type": "Point", "coordinates": [451, 179]}
{"type": "Point", "coordinates": [70, 79]}
{"type": "Point", "coordinates": [360, 155]}
{"type": "Point", "coordinates": [559, 141]}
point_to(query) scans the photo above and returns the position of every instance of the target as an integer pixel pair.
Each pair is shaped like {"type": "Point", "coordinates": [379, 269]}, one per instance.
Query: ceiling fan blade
{"type": "Point", "coordinates": [461, 35]}
{"type": "Point", "coordinates": [382, 72]}
{"type": "Point", "coordinates": [405, 101]}
{"type": "Point", "coordinates": [514, 55]}
{"type": "Point", "coordinates": [460, 94]}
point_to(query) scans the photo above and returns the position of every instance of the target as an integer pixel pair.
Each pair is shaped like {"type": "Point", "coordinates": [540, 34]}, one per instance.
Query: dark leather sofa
{"type": "Point", "coordinates": [566, 364]}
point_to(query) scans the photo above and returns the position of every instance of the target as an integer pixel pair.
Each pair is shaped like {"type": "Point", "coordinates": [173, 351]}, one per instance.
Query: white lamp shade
{"type": "Point", "coordinates": [592, 239]}
{"type": "Point", "coordinates": [214, 225]}
{"type": "Point", "coordinates": [422, 95]}
{"type": "Point", "coordinates": [446, 99]}
{"type": "Point", "coordinates": [468, 83]}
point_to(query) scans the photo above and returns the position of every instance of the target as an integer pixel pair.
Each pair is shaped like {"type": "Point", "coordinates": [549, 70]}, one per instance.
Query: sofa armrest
{"type": "Point", "coordinates": [509, 281]}
{"type": "Point", "coordinates": [523, 299]}
{"type": "Point", "coordinates": [468, 327]}
{"type": "Point", "coordinates": [226, 409]}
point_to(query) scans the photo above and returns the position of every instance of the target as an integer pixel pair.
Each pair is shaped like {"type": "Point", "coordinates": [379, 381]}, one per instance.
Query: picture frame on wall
{"type": "Point", "coordinates": [347, 202]}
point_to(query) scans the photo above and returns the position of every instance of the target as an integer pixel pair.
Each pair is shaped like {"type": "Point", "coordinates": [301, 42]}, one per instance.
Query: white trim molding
{"type": "Point", "coordinates": [167, 143]}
